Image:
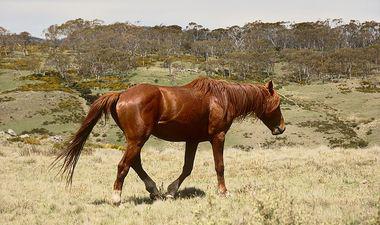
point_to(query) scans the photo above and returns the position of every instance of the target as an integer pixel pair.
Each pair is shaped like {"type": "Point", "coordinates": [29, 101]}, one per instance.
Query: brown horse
{"type": "Point", "coordinates": [202, 110]}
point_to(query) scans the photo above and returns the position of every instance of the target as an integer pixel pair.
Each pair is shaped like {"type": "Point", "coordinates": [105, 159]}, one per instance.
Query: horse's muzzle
{"type": "Point", "coordinates": [278, 130]}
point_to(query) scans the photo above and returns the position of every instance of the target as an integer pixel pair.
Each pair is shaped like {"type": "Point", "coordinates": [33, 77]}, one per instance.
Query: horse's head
{"type": "Point", "coordinates": [271, 115]}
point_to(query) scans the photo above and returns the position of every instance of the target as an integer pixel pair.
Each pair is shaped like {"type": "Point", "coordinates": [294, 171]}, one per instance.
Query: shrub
{"type": "Point", "coordinates": [48, 82]}
{"type": "Point", "coordinates": [41, 130]}
{"type": "Point", "coordinates": [6, 99]}
{"type": "Point", "coordinates": [32, 141]}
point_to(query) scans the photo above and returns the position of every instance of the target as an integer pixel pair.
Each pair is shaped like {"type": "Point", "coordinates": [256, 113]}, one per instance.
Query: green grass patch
{"type": "Point", "coordinates": [67, 111]}
{"type": "Point", "coordinates": [335, 126]}
{"type": "Point", "coordinates": [9, 79]}
{"type": "Point", "coordinates": [114, 83]}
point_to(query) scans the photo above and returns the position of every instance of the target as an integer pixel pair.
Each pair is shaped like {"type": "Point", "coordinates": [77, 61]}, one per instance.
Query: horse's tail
{"type": "Point", "coordinates": [105, 104]}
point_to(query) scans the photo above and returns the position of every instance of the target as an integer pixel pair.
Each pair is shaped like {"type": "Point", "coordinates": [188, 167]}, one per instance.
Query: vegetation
{"type": "Point", "coordinates": [322, 170]}
{"type": "Point", "coordinates": [282, 186]}
{"type": "Point", "coordinates": [321, 50]}
{"type": "Point", "coordinates": [6, 99]}
{"type": "Point", "coordinates": [47, 82]}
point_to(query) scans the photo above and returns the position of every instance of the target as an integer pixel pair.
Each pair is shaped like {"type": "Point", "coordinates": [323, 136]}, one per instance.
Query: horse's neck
{"type": "Point", "coordinates": [250, 102]}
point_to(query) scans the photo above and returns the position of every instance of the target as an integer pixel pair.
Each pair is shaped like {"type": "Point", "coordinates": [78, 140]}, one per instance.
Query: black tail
{"type": "Point", "coordinates": [105, 104]}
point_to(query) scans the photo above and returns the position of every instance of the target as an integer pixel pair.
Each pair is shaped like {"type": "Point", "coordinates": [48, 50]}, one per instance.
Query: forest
{"type": "Point", "coordinates": [324, 50]}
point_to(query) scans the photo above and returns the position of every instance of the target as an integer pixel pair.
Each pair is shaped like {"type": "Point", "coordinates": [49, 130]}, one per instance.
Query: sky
{"type": "Point", "coordinates": [36, 15]}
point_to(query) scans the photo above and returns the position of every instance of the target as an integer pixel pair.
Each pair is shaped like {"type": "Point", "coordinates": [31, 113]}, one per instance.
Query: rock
{"type": "Point", "coordinates": [24, 136]}
{"type": "Point", "coordinates": [56, 138]}
{"type": "Point", "coordinates": [11, 132]}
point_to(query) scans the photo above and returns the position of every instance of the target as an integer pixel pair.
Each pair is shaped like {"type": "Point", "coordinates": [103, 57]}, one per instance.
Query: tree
{"type": "Point", "coordinates": [25, 40]}
{"type": "Point", "coordinates": [236, 37]}
{"type": "Point", "coordinates": [60, 61]}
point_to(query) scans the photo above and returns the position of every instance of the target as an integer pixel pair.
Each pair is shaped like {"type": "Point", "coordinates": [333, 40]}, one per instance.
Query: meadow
{"type": "Point", "coordinates": [289, 185]}
{"type": "Point", "coordinates": [322, 170]}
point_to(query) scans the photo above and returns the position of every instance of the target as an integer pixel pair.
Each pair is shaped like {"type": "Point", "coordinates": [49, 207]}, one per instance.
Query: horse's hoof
{"type": "Point", "coordinates": [169, 196]}
{"type": "Point", "coordinates": [154, 196]}
{"type": "Point", "coordinates": [116, 203]}
{"type": "Point", "coordinates": [116, 197]}
{"type": "Point", "coordinates": [225, 194]}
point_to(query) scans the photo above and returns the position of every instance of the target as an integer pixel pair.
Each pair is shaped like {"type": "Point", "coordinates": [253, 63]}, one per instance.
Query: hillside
{"type": "Point", "coordinates": [342, 114]}
{"type": "Point", "coordinates": [321, 170]}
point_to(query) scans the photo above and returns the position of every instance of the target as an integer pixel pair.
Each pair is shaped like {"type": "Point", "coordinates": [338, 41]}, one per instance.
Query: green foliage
{"type": "Point", "coordinates": [85, 93]}
{"type": "Point", "coordinates": [323, 50]}
{"type": "Point", "coordinates": [50, 81]}
{"type": "Point", "coordinates": [108, 83]}
{"type": "Point", "coordinates": [113, 83]}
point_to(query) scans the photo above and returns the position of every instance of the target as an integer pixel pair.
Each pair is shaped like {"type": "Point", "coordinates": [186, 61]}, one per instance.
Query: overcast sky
{"type": "Point", "coordinates": [36, 15]}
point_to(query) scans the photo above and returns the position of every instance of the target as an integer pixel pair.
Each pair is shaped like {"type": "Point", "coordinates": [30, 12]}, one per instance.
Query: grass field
{"type": "Point", "coordinates": [282, 186]}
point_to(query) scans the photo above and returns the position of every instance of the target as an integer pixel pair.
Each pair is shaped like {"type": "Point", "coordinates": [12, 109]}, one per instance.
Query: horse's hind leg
{"type": "Point", "coordinates": [191, 148]}
{"type": "Point", "coordinates": [150, 185]}
{"type": "Point", "coordinates": [133, 150]}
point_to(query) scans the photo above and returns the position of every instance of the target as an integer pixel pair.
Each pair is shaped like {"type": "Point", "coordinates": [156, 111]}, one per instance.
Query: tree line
{"type": "Point", "coordinates": [327, 49]}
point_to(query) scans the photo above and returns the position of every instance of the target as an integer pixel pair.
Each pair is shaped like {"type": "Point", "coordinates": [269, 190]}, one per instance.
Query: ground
{"type": "Point", "coordinates": [322, 170]}
{"type": "Point", "coordinates": [283, 186]}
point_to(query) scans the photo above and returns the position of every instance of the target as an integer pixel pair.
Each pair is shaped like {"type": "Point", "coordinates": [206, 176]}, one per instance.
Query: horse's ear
{"type": "Point", "coordinates": [269, 86]}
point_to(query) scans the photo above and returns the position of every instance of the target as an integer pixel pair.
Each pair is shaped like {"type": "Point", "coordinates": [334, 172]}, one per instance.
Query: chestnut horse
{"type": "Point", "coordinates": [202, 110]}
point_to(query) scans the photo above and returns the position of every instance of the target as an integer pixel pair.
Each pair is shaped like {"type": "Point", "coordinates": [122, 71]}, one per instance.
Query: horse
{"type": "Point", "coordinates": [202, 110]}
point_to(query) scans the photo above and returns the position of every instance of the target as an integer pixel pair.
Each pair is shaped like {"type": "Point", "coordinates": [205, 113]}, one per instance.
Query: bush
{"type": "Point", "coordinates": [48, 82]}
{"type": "Point", "coordinates": [42, 131]}
{"type": "Point", "coordinates": [32, 141]}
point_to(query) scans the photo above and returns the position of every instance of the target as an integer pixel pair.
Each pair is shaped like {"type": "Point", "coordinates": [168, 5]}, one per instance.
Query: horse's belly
{"type": "Point", "coordinates": [175, 131]}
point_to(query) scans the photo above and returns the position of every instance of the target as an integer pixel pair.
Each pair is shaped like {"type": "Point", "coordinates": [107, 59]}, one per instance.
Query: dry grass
{"type": "Point", "coordinates": [285, 186]}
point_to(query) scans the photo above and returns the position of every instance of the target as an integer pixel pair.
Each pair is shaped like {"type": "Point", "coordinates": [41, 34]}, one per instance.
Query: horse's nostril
{"type": "Point", "coordinates": [278, 130]}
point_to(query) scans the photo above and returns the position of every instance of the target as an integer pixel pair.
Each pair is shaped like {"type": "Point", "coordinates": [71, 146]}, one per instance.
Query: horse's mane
{"type": "Point", "coordinates": [243, 99]}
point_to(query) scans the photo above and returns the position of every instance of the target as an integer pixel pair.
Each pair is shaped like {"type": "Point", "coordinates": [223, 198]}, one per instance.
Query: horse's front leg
{"type": "Point", "coordinates": [217, 143]}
